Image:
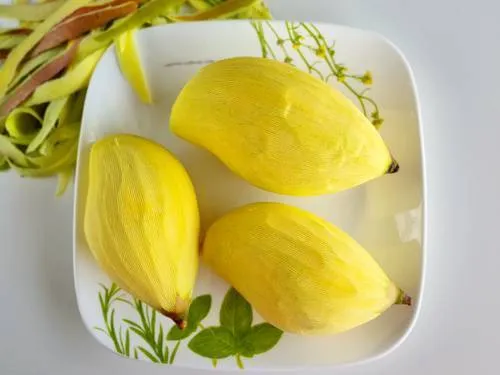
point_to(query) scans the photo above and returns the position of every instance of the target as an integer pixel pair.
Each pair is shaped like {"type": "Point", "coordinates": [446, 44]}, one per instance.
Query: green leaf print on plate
{"type": "Point", "coordinates": [261, 338]}
{"type": "Point", "coordinates": [120, 339]}
{"type": "Point", "coordinates": [236, 314]}
{"type": "Point", "coordinates": [214, 342]}
{"type": "Point", "coordinates": [302, 36]}
{"type": "Point", "coordinates": [235, 336]}
{"type": "Point", "coordinates": [151, 333]}
{"type": "Point", "coordinates": [199, 309]}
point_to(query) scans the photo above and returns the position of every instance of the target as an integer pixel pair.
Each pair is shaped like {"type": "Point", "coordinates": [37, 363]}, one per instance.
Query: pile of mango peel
{"type": "Point", "coordinates": [300, 272]}
{"type": "Point", "coordinates": [48, 60]}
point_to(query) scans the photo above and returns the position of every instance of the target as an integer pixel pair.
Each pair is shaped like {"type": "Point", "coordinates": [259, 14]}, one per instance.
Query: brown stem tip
{"type": "Point", "coordinates": [404, 299]}
{"type": "Point", "coordinates": [179, 322]}
{"type": "Point", "coordinates": [393, 168]}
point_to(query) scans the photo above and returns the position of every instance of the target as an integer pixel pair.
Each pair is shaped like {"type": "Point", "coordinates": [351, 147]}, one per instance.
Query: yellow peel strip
{"type": "Point", "coordinates": [76, 78]}
{"type": "Point", "coordinates": [130, 65]}
{"type": "Point", "coordinates": [226, 9]}
{"type": "Point", "coordinates": [10, 41]}
{"type": "Point", "coordinates": [146, 13]}
{"type": "Point", "coordinates": [16, 56]}
{"type": "Point", "coordinates": [62, 157]}
{"type": "Point", "coordinates": [63, 180]}
{"type": "Point", "coordinates": [30, 12]}
{"type": "Point", "coordinates": [52, 114]}
{"type": "Point", "coordinates": [58, 136]}
{"type": "Point", "coordinates": [33, 64]}
{"type": "Point", "coordinates": [10, 151]}
{"type": "Point", "coordinates": [22, 125]}
{"type": "Point", "coordinates": [199, 4]}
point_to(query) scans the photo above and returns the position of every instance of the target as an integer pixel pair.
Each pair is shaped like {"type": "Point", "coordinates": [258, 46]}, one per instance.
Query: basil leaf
{"type": "Point", "coordinates": [236, 313]}
{"type": "Point", "coordinates": [261, 338]}
{"type": "Point", "coordinates": [214, 342]}
{"type": "Point", "coordinates": [198, 310]}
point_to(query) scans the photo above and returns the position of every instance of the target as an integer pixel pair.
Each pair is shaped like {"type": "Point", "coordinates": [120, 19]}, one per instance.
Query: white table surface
{"type": "Point", "coordinates": [455, 53]}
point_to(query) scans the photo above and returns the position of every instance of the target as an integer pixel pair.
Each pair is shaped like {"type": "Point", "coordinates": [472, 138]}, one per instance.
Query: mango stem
{"type": "Point", "coordinates": [393, 168]}
{"type": "Point", "coordinates": [403, 299]}
{"type": "Point", "coordinates": [177, 319]}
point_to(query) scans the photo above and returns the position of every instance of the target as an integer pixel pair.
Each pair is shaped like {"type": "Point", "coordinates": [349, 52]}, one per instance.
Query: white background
{"type": "Point", "coordinates": [455, 53]}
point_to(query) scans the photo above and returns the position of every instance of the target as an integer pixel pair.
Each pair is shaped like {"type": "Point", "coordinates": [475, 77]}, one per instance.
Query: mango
{"type": "Point", "coordinates": [280, 128]}
{"type": "Point", "coordinates": [142, 221]}
{"type": "Point", "coordinates": [300, 273]}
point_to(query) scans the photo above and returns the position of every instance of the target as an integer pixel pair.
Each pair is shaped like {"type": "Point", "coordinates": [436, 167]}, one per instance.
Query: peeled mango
{"type": "Point", "coordinates": [301, 273]}
{"type": "Point", "coordinates": [280, 128]}
{"type": "Point", "coordinates": [142, 222]}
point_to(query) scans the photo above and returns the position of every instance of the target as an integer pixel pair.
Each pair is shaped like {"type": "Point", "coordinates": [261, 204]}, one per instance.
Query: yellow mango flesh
{"type": "Point", "coordinates": [142, 221]}
{"type": "Point", "coordinates": [279, 128]}
{"type": "Point", "coordinates": [131, 66]}
{"type": "Point", "coordinates": [301, 273]}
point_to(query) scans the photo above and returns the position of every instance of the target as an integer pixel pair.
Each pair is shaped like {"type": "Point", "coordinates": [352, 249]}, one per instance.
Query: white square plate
{"type": "Point", "coordinates": [385, 215]}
